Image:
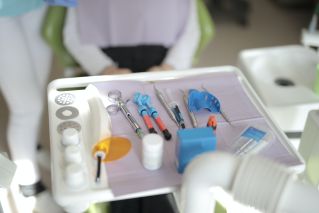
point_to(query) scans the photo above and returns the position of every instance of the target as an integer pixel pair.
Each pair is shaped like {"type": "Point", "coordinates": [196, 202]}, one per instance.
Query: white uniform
{"type": "Point", "coordinates": [182, 42]}
{"type": "Point", "coordinates": [25, 62]}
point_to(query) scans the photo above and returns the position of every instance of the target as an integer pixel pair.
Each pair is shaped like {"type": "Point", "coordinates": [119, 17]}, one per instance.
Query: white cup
{"type": "Point", "coordinates": [152, 153]}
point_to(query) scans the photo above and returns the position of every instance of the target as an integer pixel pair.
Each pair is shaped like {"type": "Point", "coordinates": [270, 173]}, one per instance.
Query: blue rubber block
{"type": "Point", "coordinates": [193, 142]}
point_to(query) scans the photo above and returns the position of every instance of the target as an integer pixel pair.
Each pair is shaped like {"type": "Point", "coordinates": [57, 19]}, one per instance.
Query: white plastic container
{"type": "Point", "coordinates": [73, 154]}
{"type": "Point", "coordinates": [152, 152]}
{"type": "Point", "coordinates": [74, 176]}
{"type": "Point", "coordinates": [70, 136]}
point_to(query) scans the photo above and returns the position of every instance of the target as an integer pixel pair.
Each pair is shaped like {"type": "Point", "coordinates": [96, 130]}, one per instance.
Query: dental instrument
{"type": "Point", "coordinates": [116, 96]}
{"type": "Point", "coordinates": [190, 114]}
{"type": "Point", "coordinates": [147, 119]}
{"type": "Point", "coordinates": [101, 123]}
{"type": "Point", "coordinates": [160, 123]}
{"type": "Point", "coordinates": [142, 110]}
{"type": "Point", "coordinates": [164, 103]}
{"type": "Point", "coordinates": [100, 151]}
{"type": "Point", "coordinates": [98, 170]}
{"type": "Point", "coordinates": [144, 103]}
{"type": "Point", "coordinates": [178, 115]}
{"type": "Point", "coordinates": [175, 109]}
{"type": "Point", "coordinates": [153, 112]}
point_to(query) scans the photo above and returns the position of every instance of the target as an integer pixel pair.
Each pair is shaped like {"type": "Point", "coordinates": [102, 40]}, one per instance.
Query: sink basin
{"type": "Point", "coordinates": [284, 78]}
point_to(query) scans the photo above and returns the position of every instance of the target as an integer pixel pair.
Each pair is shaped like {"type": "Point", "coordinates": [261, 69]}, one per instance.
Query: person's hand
{"type": "Point", "coordinates": [112, 70]}
{"type": "Point", "coordinates": [162, 67]}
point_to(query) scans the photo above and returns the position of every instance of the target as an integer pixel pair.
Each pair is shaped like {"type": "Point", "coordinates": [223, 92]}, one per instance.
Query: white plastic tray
{"type": "Point", "coordinates": [238, 100]}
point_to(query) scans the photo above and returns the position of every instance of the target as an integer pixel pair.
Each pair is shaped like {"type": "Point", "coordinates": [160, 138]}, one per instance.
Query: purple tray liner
{"type": "Point", "coordinates": [127, 175]}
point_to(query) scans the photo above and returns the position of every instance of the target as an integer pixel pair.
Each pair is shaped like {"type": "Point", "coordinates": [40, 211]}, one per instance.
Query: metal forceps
{"type": "Point", "coordinates": [191, 114]}
{"type": "Point", "coordinates": [115, 96]}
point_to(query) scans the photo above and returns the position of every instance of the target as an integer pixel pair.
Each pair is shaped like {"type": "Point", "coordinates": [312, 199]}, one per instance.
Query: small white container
{"type": "Point", "coordinates": [152, 152]}
{"type": "Point", "coordinates": [72, 154]}
{"type": "Point", "coordinates": [74, 175]}
{"type": "Point", "coordinates": [70, 136]}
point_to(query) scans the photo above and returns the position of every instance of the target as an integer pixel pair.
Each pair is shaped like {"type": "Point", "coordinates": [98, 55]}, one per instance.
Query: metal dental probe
{"type": "Point", "coordinates": [191, 114]}
{"type": "Point", "coordinates": [161, 98]}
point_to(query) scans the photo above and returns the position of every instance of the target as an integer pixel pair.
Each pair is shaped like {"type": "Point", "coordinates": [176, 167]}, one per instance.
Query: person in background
{"type": "Point", "coordinates": [116, 37]}
{"type": "Point", "coordinates": [25, 63]}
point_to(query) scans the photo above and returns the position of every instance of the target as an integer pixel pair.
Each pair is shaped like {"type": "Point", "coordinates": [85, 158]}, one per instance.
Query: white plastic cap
{"type": "Point", "coordinates": [152, 143]}
{"type": "Point", "coordinates": [153, 146]}
{"type": "Point", "coordinates": [72, 154]}
{"type": "Point", "coordinates": [74, 175]}
{"type": "Point", "coordinates": [70, 136]}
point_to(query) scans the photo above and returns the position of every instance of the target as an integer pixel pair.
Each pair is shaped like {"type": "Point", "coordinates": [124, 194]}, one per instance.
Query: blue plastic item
{"type": "Point", "coordinates": [138, 100]}
{"type": "Point", "coordinates": [254, 133]}
{"type": "Point", "coordinates": [144, 103]}
{"type": "Point", "coordinates": [18, 7]}
{"type": "Point", "coordinates": [193, 142]}
{"type": "Point", "coordinates": [65, 3]}
{"type": "Point", "coordinates": [198, 100]}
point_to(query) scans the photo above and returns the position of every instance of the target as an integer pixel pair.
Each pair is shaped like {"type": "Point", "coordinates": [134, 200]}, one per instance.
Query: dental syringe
{"type": "Point", "coordinates": [115, 96]}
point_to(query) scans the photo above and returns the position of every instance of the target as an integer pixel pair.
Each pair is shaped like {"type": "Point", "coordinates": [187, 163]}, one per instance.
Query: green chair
{"type": "Point", "coordinates": [99, 208]}
{"type": "Point", "coordinates": [207, 29]}
{"type": "Point", "coordinates": [52, 32]}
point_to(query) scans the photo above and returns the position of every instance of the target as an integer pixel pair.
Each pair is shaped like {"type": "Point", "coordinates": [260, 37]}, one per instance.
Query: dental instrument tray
{"type": "Point", "coordinates": [78, 119]}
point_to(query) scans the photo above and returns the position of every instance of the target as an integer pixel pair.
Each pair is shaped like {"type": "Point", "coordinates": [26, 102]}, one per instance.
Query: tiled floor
{"type": "Point", "coordinates": [270, 25]}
